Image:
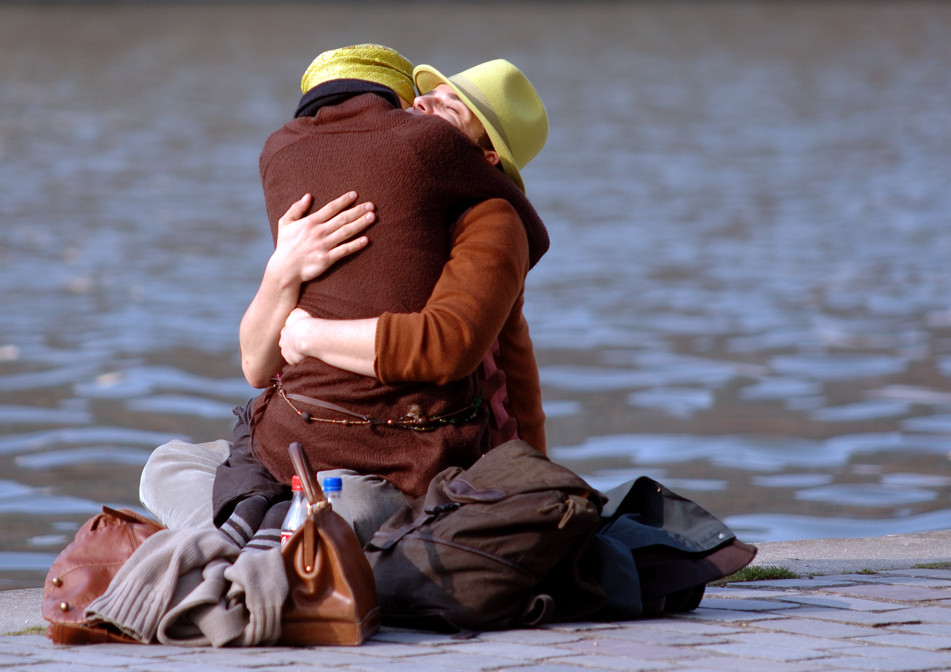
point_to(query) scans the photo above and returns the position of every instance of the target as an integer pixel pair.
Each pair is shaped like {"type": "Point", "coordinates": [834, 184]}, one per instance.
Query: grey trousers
{"type": "Point", "coordinates": [177, 481]}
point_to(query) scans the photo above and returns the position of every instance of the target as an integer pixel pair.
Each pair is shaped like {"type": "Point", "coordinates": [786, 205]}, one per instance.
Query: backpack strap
{"type": "Point", "coordinates": [385, 540]}
{"type": "Point", "coordinates": [539, 611]}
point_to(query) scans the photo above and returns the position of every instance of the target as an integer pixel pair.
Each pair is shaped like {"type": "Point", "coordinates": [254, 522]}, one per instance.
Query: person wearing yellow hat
{"type": "Point", "coordinates": [503, 102]}
{"type": "Point", "coordinates": [506, 242]}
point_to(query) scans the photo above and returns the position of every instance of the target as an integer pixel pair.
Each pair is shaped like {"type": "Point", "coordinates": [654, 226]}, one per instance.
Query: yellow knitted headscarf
{"type": "Point", "coordinates": [368, 62]}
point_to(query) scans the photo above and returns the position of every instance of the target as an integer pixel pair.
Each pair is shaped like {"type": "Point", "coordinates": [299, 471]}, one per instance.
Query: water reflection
{"type": "Point", "coordinates": [784, 527]}
{"type": "Point", "coordinates": [755, 453]}
{"type": "Point", "coordinates": [746, 296]}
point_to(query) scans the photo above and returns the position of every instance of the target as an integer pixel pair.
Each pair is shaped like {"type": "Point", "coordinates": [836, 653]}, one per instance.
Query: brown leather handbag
{"type": "Point", "coordinates": [83, 571]}
{"type": "Point", "coordinates": [332, 597]}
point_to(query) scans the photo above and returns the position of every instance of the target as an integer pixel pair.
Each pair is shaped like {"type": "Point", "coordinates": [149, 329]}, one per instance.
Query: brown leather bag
{"type": "Point", "coordinates": [83, 571]}
{"type": "Point", "coordinates": [332, 597]}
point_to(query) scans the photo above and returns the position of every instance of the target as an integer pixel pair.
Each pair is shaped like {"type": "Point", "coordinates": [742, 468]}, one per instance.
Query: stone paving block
{"type": "Point", "coordinates": [324, 655]}
{"type": "Point", "coordinates": [936, 629]}
{"type": "Point", "coordinates": [846, 647]}
{"type": "Point", "coordinates": [77, 666]}
{"type": "Point", "coordinates": [929, 642]}
{"type": "Point", "coordinates": [633, 650]}
{"type": "Point", "coordinates": [233, 658]}
{"type": "Point", "coordinates": [458, 662]}
{"type": "Point", "coordinates": [507, 663]}
{"type": "Point", "coordinates": [683, 624]}
{"type": "Point", "coordinates": [869, 618]}
{"type": "Point", "coordinates": [536, 637]}
{"type": "Point", "coordinates": [26, 652]}
{"type": "Point", "coordinates": [396, 636]}
{"type": "Point", "coordinates": [717, 663]}
{"type": "Point", "coordinates": [862, 618]}
{"type": "Point", "coordinates": [583, 626]}
{"type": "Point", "coordinates": [135, 650]}
{"type": "Point", "coordinates": [766, 640]}
{"type": "Point", "coordinates": [88, 655]}
{"type": "Point", "coordinates": [558, 667]}
{"type": "Point", "coordinates": [319, 666]}
{"type": "Point", "coordinates": [815, 628]}
{"type": "Point", "coordinates": [748, 591]}
{"type": "Point", "coordinates": [381, 649]}
{"type": "Point", "coordinates": [933, 614]}
{"type": "Point", "coordinates": [900, 593]}
{"type": "Point", "coordinates": [919, 571]}
{"type": "Point", "coordinates": [840, 602]}
{"type": "Point", "coordinates": [373, 665]}
{"type": "Point", "coordinates": [621, 664]}
{"type": "Point", "coordinates": [7, 660]}
{"type": "Point", "coordinates": [859, 579]}
{"type": "Point", "coordinates": [638, 630]}
{"type": "Point", "coordinates": [903, 656]}
{"type": "Point", "coordinates": [661, 637]}
{"type": "Point", "coordinates": [810, 583]}
{"type": "Point", "coordinates": [25, 642]}
{"type": "Point", "coordinates": [777, 653]}
{"type": "Point", "coordinates": [727, 615]}
{"type": "Point", "coordinates": [510, 651]}
{"type": "Point", "coordinates": [904, 581]}
{"type": "Point", "coordinates": [844, 669]}
{"type": "Point", "coordinates": [157, 665]}
{"type": "Point", "coordinates": [749, 604]}
{"type": "Point", "coordinates": [878, 665]}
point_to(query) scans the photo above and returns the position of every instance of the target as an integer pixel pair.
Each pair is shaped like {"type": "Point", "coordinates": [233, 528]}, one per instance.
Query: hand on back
{"type": "Point", "coordinates": [309, 245]}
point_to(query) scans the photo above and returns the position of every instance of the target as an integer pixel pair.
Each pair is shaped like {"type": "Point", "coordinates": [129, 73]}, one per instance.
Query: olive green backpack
{"type": "Point", "coordinates": [493, 546]}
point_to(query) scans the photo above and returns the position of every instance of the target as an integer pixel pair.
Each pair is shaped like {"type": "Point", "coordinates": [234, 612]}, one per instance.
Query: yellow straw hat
{"type": "Point", "coordinates": [368, 62]}
{"type": "Point", "coordinates": [505, 102]}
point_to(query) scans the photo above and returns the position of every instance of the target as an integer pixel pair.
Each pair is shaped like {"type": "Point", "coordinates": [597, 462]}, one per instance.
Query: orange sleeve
{"type": "Point", "coordinates": [517, 359]}
{"type": "Point", "coordinates": [469, 306]}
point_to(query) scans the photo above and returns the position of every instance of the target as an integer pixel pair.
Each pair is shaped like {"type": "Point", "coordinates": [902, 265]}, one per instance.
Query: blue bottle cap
{"type": "Point", "coordinates": [333, 484]}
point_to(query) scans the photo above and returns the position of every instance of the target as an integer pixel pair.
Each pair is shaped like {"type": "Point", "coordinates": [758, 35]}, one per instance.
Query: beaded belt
{"type": "Point", "coordinates": [414, 420]}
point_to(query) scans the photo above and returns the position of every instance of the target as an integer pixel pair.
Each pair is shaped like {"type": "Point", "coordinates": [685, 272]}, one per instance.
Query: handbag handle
{"type": "Point", "coordinates": [311, 489]}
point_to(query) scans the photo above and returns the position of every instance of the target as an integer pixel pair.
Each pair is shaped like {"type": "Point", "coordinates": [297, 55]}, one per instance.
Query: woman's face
{"type": "Point", "coordinates": [444, 103]}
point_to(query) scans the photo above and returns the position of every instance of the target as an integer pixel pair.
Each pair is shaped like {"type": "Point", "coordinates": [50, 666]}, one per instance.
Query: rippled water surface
{"type": "Point", "coordinates": [747, 296]}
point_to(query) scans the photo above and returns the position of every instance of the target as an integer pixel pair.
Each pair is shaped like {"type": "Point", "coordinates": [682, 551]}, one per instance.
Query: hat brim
{"type": "Point", "coordinates": [428, 78]}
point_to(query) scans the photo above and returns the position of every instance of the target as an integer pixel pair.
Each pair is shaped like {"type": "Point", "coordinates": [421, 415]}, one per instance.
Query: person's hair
{"type": "Point", "coordinates": [485, 143]}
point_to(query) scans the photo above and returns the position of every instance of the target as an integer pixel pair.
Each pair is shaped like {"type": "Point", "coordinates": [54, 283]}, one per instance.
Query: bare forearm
{"type": "Point", "coordinates": [261, 327]}
{"type": "Point", "coordinates": [346, 344]}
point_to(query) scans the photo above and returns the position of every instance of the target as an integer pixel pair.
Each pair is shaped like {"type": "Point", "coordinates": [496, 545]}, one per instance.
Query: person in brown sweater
{"type": "Point", "coordinates": [390, 282]}
{"type": "Point", "coordinates": [475, 312]}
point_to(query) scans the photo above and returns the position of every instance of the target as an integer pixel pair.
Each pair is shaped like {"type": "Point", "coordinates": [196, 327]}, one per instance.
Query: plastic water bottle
{"type": "Point", "coordinates": [297, 513]}
{"type": "Point", "coordinates": [333, 491]}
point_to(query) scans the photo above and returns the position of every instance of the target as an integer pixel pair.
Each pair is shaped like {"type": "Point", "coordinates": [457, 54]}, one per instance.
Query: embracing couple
{"type": "Point", "coordinates": [387, 332]}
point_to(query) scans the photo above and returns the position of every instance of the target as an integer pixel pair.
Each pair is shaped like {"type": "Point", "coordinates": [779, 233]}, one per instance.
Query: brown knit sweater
{"type": "Point", "coordinates": [422, 174]}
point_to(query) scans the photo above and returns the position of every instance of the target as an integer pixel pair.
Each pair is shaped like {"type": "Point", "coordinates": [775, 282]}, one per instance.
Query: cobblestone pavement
{"type": "Point", "coordinates": [887, 620]}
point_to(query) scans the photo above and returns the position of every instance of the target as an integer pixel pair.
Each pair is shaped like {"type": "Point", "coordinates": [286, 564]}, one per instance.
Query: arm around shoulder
{"type": "Point", "coordinates": [469, 306]}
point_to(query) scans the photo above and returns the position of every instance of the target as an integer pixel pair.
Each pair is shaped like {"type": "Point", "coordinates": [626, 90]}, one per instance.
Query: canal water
{"type": "Point", "coordinates": [748, 295]}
